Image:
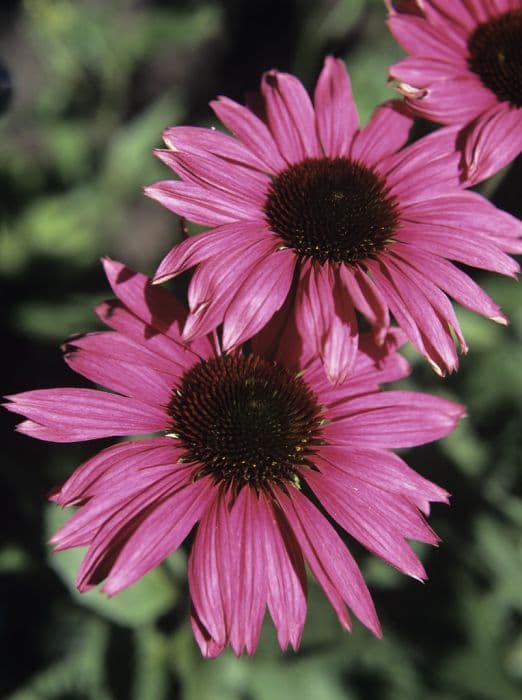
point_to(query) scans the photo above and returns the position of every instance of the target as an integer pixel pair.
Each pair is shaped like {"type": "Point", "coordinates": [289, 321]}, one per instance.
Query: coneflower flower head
{"type": "Point", "coordinates": [253, 451]}
{"type": "Point", "coordinates": [311, 210]}
{"type": "Point", "coordinates": [465, 68]}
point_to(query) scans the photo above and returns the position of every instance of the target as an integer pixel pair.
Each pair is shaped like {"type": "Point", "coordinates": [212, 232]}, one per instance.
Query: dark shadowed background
{"type": "Point", "coordinates": [86, 89]}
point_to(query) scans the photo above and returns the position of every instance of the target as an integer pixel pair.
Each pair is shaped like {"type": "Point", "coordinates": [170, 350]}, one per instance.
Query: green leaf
{"type": "Point", "coordinates": [137, 605]}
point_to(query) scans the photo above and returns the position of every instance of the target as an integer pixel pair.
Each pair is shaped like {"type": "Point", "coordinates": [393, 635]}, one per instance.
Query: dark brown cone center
{"type": "Point", "coordinates": [331, 210]}
{"type": "Point", "coordinates": [245, 420]}
{"type": "Point", "coordinates": [495, 55]}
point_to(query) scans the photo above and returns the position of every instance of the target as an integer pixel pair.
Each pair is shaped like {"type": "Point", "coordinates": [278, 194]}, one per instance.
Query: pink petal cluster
{"type": "Point", "coordinates": [245, 271]}
{"type": "Point", "coordinates": [139, 499]}
{"type": "Point", "coordinates": [441, 78]}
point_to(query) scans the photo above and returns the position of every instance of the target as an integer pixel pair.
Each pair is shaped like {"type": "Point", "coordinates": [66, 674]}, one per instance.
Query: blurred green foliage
{"type": "Point", "coordinates": [95, 84]}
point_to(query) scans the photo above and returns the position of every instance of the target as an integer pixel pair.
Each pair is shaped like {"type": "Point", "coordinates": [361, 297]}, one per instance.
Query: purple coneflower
{"type": "Point", "coordinates": [306, 206]}
{"type": "Point", "coordinates": [465, 65]}
{"type": "Point", "coordinates": [255, 449]}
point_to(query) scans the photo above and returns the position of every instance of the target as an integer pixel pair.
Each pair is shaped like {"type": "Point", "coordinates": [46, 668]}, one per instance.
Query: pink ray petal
{"type": "Point", "coordinates": [330, 562]}
{"type": "Point", "coordinates": [251, 131]}
{"type": "Point", "coordinates": [335, 111]}
{"type": "Point", "coordinates": [290, 116]}
{"type": "Point", "coordinates": [395, 419]}
{"type": "Point", "coordinates": [386, 132]}
{"type": "Point", "coordinates": [68, 415]}
{"type": "Point", "coordinates": [201, 141]}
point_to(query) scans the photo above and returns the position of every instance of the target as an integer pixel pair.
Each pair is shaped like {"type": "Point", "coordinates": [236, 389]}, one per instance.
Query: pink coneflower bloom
{"type": "Point", "coordinates": [308, 207]}
{"type": "Point", "coordinates": [465, 66]}
{"type": "Point", "coordinates": [254, 448]}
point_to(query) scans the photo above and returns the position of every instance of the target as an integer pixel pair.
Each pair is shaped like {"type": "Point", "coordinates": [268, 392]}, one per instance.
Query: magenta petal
{"type": "Point", "coordinates": [290, 116]}
{"type": "Point", "coordinates": [367, 299]}
{"type": "Point", "coordinates": [107, 518]}
{"type": "Point", "coordinates": [421, 72]}
{"type": "Point", "coordinates": [380, 506]}
{"type": "Point", "coordinates": [398, 308]}
{"type": "Point", "coordinates": [367, 524]}
{"type": "Point", "coordinates": [450, 243]}
{"type": "Point", "coordinates": [209, 648]}
{"type": "Point", "coordinates": [387, 471]}
{"type": "Point", "coordinates": [159, 534]}
{"type": "Point", "coordinates": [113, 463]}
{"type": "Point", "coordinates": [438, 300]}
{"type": "Point", "coordinates": [212, 572]}
{"type": "Point", "coordinates": [203, 205]}
{"type": "Point", "coordinates": [153, 305]}
{"type": "Point", "coordinates": [330, 561]}
{"type": "Point", "coordinates": [386, 132]}
{"type": "Point", "coordinates": [201, 141]}
{"type": "Point", "coordinates": [177, 356]}
{"type": "Point", "coordinates": [395, 419]}
{"type": "Point", "coordinates": [326, 317]}
{"type": "Point", "coordinates": [462, 209]}
{"type": "Point", "coordinates": [68, 415]}
{"type": "Point", "coordinates": [335, 111]}
{"type": "Point", "coordinates": [210, 172]}
{"type": "Point", "coordinates": [454, 282]}
{"type": "Point", "coordinates": [211, 286]}
{"type": "Point", "coordinates": [443, 12]}
{"type": "Point", "coordinates": [374, 366]}
{"type": "Point", "coordinates": [227, 573]}
{"type": "Point", "coordinates": [246, 520]}
{"type": "Point", "coordinates": [217, 242]}
{"type": "Point", "coordinates": [286, 576]}
{"type": "Point", "coordinates": [454, 101]}
{"type": "Point", "coordinates": [431, 314]}
{"type": "Point", "coordinates": [485, 153]}
{"type": "Point", "coordinates": [251, 131]}
{"type": "Point", "coordinates": [417, 36]}
{"type": "Point", "coordinates": [110, 527]}
{"type": "Point", "coordinates": [259, 297]}
{"type": "Point", "coordinates": [119, 365]}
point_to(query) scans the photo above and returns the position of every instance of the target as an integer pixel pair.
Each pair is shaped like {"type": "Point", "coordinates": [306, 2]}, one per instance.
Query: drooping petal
{"type": "Point", "coordinates": [159, 533]}
{"type": "Point", "coordinates": [367, 299]}
{"type": "Point", "coordinates": [252, 584]}
{"type": "Point", "coordinates": [449, 243]}
{"type": "Point", "coordinates": [429, 313]}
{"type": "Point", "coordinates": [214, 283]}
{"type": "Point", "coordinates": [213, 573]}
{"type": "Point", "coordinates": [259, 297]}
{"type": "Point", "coordinates": [201, 247]}
{"type": "Point", "coordinates": [364, 519]}
{"type": "Point", "coordinates": [325, 315]}
{"type": "Point", "coordinates": [286, 576]}
{"type": "Point", "coordinates": [484, 153]}
{"type": "Point", "coordinates": [454, 282]}
{"type": "Point", "coordinates": [329, 560]}
{"type": "Point", "coordinates": [113, 463]}
{"type": "Point", "coordinates": [387, 471]}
